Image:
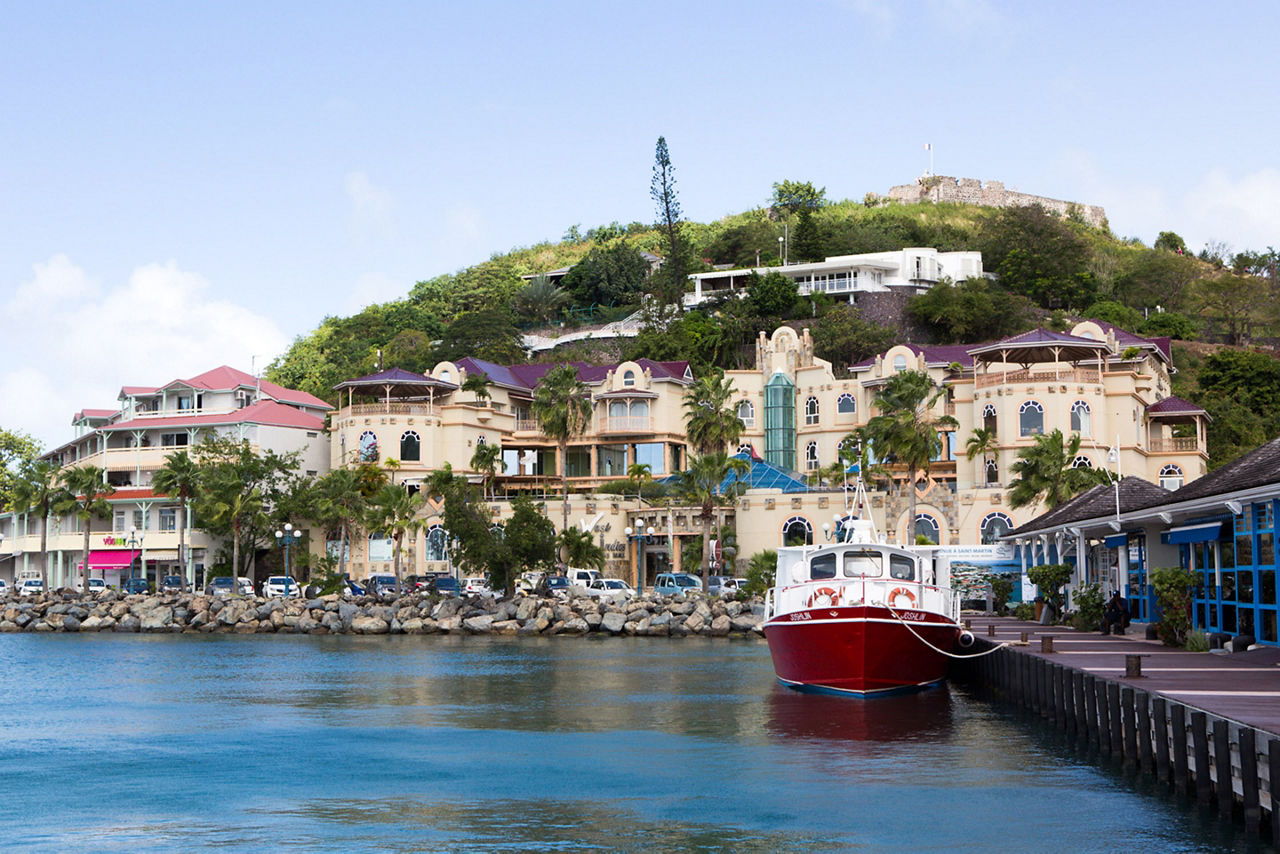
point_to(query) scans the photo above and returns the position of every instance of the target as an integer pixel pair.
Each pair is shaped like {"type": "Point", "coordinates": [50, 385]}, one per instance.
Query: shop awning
{"type": "Point", "coordinates": [109, 559]}
{"type": "Point", "coordinates": [1202, 532]}
{"type": "Point", "coordinates": [1116, 541]}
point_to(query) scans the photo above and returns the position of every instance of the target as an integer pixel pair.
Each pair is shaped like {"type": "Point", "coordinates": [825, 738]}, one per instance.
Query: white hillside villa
{"type": "Point", "coordinates": [845, 276]}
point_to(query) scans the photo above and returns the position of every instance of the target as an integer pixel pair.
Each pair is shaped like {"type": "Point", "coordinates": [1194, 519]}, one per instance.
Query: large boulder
{"type": "Point", "coordinates": [720, 626]}
{"type": "Point", "coordinates": [370, 625]}
{"type": "Point", "coordinates": [613, 622]}
{"type": "Point", "coordinates": [157, 619]}
{"type": "Point", "coordinates": [694, 623]}
{"type": "Point", "coordinates": [744, 622]}
{"type": "Point", "coordinates": [479, 625]}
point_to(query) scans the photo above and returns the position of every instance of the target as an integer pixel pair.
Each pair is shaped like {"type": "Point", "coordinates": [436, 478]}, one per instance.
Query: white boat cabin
{"type": "Point", "coordinates": [862, 573]}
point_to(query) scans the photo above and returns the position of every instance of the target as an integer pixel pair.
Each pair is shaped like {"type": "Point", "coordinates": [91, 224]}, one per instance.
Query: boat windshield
{"type": "Point", "coordinates": [863, 562]}
{"type": "Point", "coordinates": [902, 567]}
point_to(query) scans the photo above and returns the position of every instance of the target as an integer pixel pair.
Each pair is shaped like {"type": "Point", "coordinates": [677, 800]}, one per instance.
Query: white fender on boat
{"type": "Point", "coordinates": [965, 640]}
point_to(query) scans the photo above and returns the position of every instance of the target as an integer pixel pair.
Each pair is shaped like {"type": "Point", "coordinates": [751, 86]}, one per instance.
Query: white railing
{"type": "Point", "coordinates": [1062, 375]}
{"type": "Point", "coordinates": [388, 408]}
{"type": "Point", "coordinates": [1175, 444]}
{"type": "Point", "coordinates": [918, 596]}
{"type": "Point", "coordinates": [627, 424]}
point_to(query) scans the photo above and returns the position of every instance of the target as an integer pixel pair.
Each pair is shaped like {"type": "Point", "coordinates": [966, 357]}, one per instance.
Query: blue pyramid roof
{"type": "Point", "coordinates": [762, 475]}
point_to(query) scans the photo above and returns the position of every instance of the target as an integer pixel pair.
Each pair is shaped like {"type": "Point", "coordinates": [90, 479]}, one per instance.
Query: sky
{"type": "Point", "coordinates": [187, 185]}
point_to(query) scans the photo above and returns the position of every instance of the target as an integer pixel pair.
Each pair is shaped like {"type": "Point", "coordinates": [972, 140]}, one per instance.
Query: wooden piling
{"type": "Point", "coordinates": [1160, 735]}
{"type": "Point", "coordinates": [1249, 779]}
{"type": "Point", "coordinates": [1142, 705]}
{"type": "Point", "coordinates": [1200, 745]}
{"type": "Point", "coordinates": [1117, 721]}
{"type": "Point", "coordinates": [1222, 765]}
{"type": "Point", "coordinates": [1273, 783]}
{"type": "Point", "coordinates": [1104, 717]}
{"type": "Point", "coordinates": [1129, 719]}
{"type": "Point", "coordinates": [1077, 692]}
{"type": "Point", "coordinates": [1091, 708]}
{"type": "Point", "coordinates": [1178, 722]}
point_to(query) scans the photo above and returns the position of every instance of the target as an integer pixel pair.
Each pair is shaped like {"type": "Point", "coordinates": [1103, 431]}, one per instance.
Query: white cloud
{"type": "Point", "coordinates": [1240, 211]}
{"type": "Point", "coordinates": [371, 207]}
{"type": "Point", "coordinates": [71, 343]}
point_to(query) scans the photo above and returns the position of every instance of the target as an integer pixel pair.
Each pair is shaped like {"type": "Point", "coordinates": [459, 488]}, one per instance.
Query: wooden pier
{"type": "Point", "coordinates": [1203, 723]}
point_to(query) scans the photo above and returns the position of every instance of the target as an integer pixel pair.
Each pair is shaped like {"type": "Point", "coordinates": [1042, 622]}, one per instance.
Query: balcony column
{"type": "Point", "coordinates": [594, 462]}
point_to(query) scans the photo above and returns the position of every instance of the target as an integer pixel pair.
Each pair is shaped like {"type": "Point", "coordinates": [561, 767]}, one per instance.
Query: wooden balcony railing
{"type": "Point", "coordinates": [1039, 375]}
{"type": "Point", "coordinates": [389, 408]}
{"type": "Point", "coordinates": [626, 424]}
{"type": "Point", "coordinates": [1177, 444]}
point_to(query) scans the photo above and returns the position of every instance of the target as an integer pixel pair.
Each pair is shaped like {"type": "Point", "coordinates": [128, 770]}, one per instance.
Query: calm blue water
{"type": "Point", "coordinates": [439, 743]}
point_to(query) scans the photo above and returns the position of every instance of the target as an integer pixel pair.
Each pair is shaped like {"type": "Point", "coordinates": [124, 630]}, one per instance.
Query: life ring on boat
{"type": "Point", "coordinates": [901, 591]}
{"type": "Point", "coordinates": [824, 597]}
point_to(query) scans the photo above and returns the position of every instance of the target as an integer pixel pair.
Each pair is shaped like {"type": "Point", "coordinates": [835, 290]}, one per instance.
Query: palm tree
{"type": "Point", "coordinates": [485, 461]}
{"type": "Point", "coordinates": [478, 385]}
{"type": "Point", "coordinates": [703, 484]}
{"type": "Point", "coordinates": [227, 504]}
{"type": "Point", "coordinates": [179, 477]}
{"type": "Point", "coordinates": [1045, 472]}
{"type": "Point", "coordinates": [906, 428]}
{"type": "Point", "coordinates": [982, 443]}
{"type": "Point", "coordinates": [711, 425]}
{"type": "Point", "coordinates": [563, 412]}
{"type": "Point", "coordinates": [340, 503]}
{"type": "Point", "coordinates": [86, 498]}
{"type": "Point", "coordinates": [37, 491]}
{"type": "Point", "coordinates": [639, 474]}
{"type": "Point", "coordinates": [540, 300]}
{"type": "Point", "coordinates": [394, 511]}
{"type": "Point", "coordinates": [580, 549]}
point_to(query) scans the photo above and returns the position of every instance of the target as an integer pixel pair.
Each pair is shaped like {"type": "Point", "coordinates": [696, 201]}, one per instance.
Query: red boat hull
{"type": "Point", "coordinates": [860, 649]}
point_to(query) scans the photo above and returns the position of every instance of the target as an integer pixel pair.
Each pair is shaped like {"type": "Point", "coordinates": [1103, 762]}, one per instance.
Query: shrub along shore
{"type": "Point", "coordinates": [649, 615]}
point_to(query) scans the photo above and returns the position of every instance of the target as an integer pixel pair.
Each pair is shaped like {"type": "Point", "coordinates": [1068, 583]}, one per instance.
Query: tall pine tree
{"type": "Point", "coordinates": [669, 282]}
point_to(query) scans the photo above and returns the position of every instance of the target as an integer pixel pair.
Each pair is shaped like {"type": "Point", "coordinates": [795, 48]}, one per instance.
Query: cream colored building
{"type": "Point", "coordinates": [1108, 385]}
{"type": "Point", "coordinates": [130, 443]}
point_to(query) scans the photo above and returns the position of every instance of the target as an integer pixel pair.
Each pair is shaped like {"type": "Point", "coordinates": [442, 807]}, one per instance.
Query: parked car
{"type": "Point", "coordinates": [445, 585]}
{"type": "Point", "coordinates": [31, 587]}
{"type": "Point", "coordinates": [281, 585]}
{"type": "Point", "coordinates": [721, 585]}
{"type": "Point", "coordinates": [350, 588]}
{"type": "Point", "coordinates": [171, 584]}
{"type": "Point", "coordinates": [223, 585]}
{"type": "Point", "coordinates": [96, 586]}
{"type": "Point", "coordinates": [135, 585]}
{"type": "Point", "coordinates": [4, 587]}
{"type": "Point", "coordinates": [583, 576]}
{"type": "Point", "coordinates": [476, 586]}
{"type": "Point", "coordinates": [604, 588]}
{"type": "Point", "coordinates": [381, 586]}
{"type": "Point", "coordinates": [246, 586]}
{"type": "Point", "coordinates": [413, 583]}
{"type": "Point", "coordinates": [676, 584]}
{"type": "Point", "coordinates": [528, 581]}
{"type": "Point", "coordinates": [554, 585]}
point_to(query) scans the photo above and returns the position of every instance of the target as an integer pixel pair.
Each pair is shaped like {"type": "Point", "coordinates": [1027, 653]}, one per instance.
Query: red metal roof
{"type": "Point", "coordinates": [266, 412]}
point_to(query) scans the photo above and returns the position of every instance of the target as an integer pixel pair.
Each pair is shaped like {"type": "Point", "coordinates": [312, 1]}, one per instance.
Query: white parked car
{"type": "Point", "coordinates": [477, 586]}
{"type": "Point", "coordinates": [281, 585]}
{"type": "Point", "coordinates": [31, 587]}
{"type": "Point", "coordinates": [246, 585]}
{"type": "Point", "coordinates": [96, 586]}
{"type": "Point", "coordinates": [4, 587]}
{"type": "Point", "coordinates": [604, 588]}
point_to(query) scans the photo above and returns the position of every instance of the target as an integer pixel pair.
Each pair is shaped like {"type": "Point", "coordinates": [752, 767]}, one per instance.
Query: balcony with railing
{"type": "Point", "coordinates": [1175, 445]}
{"type": "Point", "coordinates": [1040, 375]}
{"type": "Point", "coordinates": [528, 425]}
{"type": "Point", "coordinates": [390, 408]}
{"type": "Point", "coordinates": [625, 424]}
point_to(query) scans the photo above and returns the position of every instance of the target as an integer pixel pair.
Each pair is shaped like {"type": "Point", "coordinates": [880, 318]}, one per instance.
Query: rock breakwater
{"type": "Point", "coordinates": [412, 614]}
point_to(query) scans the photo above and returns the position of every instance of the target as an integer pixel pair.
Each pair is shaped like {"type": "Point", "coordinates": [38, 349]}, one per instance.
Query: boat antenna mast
{"type": "Point", "coordinates": [859, 506]}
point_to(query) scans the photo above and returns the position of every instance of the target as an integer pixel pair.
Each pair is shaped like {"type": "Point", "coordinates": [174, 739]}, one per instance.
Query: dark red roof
{"type": "Point", "coordinates": [1174, 405]}
{"type": "Point", "coordinates": [266, 412]}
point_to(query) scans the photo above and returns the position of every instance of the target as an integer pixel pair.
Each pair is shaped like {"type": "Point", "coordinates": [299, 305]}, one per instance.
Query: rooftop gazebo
{"type": "Point", "coordinates": [1039, 347]}
{"type": "Point", "coordinates": [394, 390]}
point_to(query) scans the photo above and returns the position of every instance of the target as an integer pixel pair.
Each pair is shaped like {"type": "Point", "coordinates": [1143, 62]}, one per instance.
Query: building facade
{"type": "Point", "coordinates": [130, 443]}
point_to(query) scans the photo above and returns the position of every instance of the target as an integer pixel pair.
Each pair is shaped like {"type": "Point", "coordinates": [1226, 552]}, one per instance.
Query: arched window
{"type": "Point", "coordinates": [994, 526]}
{"type": "Point", "coordinates": [446, 375]}
{"type": "Point", "coordinates": [747, 413]}
{"type": "Point", "coordinates": [437, 539]}
{"type": "Point", "coordinates": [629, 378]}
{"type": "Point", "coordinates": [811, 456]}
{"type": "Point", "coordinates": [993, 472]}
{"type": "Point", "coordinates": [899, 363]}
{"type": "Point", "coordinates": [928, 526]}
{"type": "Point", "coordinates": [797, 531]}
{"type": "Point", "coordinates": [811, 411]}
{"type": "Point", "coordinates": [846, 404]}
{"type": "Point", "coordinates": [1171, 476]}
{"type": "Point", "coordinates": [1082, 462]}
{"type": "Point", "coordinates": [480, 440]}
{"type": "Point", "coordinates": [1080, 421]}
{"type": "Point", "coordinates": [410, 447]}
{"type": "Point", "coordinates": [617, 409]}
{"type": "Point", "coordinates": [1031, 419]}
{"type": "Point", "coordinates": [368, 448]}
{"type": "Point", "coordinates": [989, 417]}
{"type": "Point", "coordinates": [639, 409]}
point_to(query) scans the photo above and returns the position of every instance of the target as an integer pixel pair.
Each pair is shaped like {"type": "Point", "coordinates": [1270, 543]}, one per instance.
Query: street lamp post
{"type": "Point", "coordinates": [134, 542]}
{"type": "Point", "coordinates": [639, 537]}
{"type": "Point", "coordinates": [287, 537]}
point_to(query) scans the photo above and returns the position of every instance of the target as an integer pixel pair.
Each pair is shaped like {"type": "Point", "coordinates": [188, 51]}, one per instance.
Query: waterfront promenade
{"type": "Point", "coordinates": [1207, 722]}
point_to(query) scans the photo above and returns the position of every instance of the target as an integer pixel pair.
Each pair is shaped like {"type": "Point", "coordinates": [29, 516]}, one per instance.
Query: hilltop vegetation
{"type": "Point", "coordinates": [1047, 270]}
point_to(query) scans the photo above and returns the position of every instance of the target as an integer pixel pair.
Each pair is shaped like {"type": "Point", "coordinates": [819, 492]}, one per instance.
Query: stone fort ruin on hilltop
{"type": "Point", "coordinates": [971, 191]}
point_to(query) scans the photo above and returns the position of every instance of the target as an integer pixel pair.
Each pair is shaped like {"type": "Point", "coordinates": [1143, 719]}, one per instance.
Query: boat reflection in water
{"type": "Point", "coordinates": [924, 716]}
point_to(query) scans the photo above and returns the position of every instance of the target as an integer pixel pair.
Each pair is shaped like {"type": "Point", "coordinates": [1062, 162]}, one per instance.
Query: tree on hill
{"type": "Point", "coordinates": [490, 335]}
{"type": "Point", "coordinates": [771, 295]}
{"type": "Point", "coordinates": [793, 196]}
{"type": "Point", "coordinates": [609, 275]}
{"type": "Point", "coordinates": [1039, 256]}
{"type": "Point", "coordinates": [1114, 313]}
{"type": "Point", "coordinates": [750, 242]}
{"type": "Point", "coordinates": [1170, 324]}
{"type": "Point", "coordinates": [670, 279]}
{"type": "Point", "coordinates": [844, 338]}
{"type": "Point", "coordinates": [540, 301]}
{"type": "Point", "coordinates": [1154, 278]}
{"type": "Point", "coordinates": [1169, 241]}
{"type": "Point", "coordinates": [807, 244]}
{"type": "Point", "coordinates": [17, 451]}
{"type": "Point", "coordinates": [971, 311]}
{"type": "Point", "coordinates": [1233, 304]}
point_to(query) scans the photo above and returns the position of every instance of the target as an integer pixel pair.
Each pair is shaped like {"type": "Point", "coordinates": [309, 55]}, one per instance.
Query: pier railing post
{"type": "Point", "coordinates": [1178, 723]}
{"type": "Point", "coordinates": [1249, 779]}
{"type": "Point", "coordinates": [1222, 767]}
{"type": "Point", "coordinates": [1128, 714]}
{"type": "Point", "coordinates": [1142, 702]}
{"type": "Point", "coordinates": [1160, 732]}
{"type": "Point", "coordinates": [1200, 744]}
